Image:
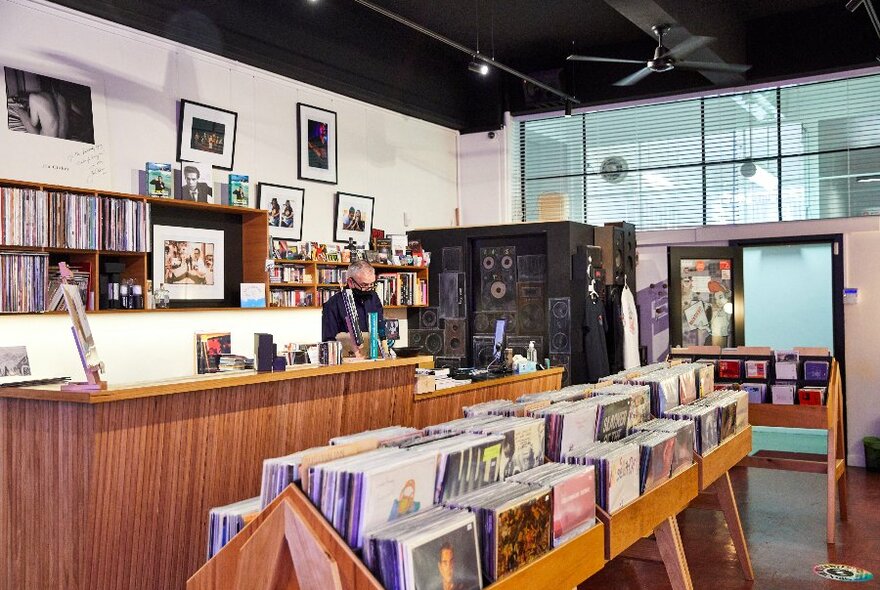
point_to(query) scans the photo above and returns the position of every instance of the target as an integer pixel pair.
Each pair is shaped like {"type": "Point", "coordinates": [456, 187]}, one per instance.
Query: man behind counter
{"type": "Point", "coordinates": [362, 281]}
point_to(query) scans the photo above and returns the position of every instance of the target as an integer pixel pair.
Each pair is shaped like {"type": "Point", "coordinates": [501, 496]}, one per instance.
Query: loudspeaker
{"type": "Point", "coordinates": [264, 352]}
{"type": "Point", "coordinates": [611, 239]}
{"type": "Point", "coordinates": [428, 318]}
{"type": "Point", "coordinates": [564, 361]}
{"type": "Point", "coordinates": [559, 324]}
{"type": "Point", "coordinates": [484, 321]}
{"type": "Point", "coordinates": [452, 259]}
{"type": "Point", "coordinates": [454, 337]}
{"type": "Point", "coordinates": [483, 351]}
{"type": "Point", "coordinates": [430, 341]}
{"type": "Point", "coordinates": [629, 252]}
{"type": "Point", "coordinates": [452, 295]}
{"type": "Point", "coordinates": [447, 362]}
{"type": "Point", "coordinates": [498, 278]}
{"type": "Point", "coordinates": [530, 308]}
{"type": "Point", "coordinates": [531, 268]}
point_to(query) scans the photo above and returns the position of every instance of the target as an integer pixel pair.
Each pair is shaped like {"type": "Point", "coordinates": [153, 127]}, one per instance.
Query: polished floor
{"type": "Point", "coordinates": [783, 514]}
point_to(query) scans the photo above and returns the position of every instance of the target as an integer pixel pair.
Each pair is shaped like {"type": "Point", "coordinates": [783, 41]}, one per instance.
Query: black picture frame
{"type": "Point", "coordinates": [268, 190]}
{"type": "Point", "coordinates": [187, 152]}
{"type": "Point", "coordinates": [343, 204]}
{"type": "Point", "coordinates": [311, 164]}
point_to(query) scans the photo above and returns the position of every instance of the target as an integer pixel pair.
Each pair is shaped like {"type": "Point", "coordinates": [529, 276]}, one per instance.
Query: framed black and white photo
{"type": "Point", "coordinates": [47, 106]}
{"type": "Point", "coordinates": [353, 218]}
{"type": "Point", "coordinates": [285, 207]}
{"type": "Point", "coordinates": [316, 141]}
{"type": "Point", "coordinates": [188, 261]}
{"type": "Point", "coordinates": [196, 182]}
{"type": "Point", "coordinates": [206, 134]}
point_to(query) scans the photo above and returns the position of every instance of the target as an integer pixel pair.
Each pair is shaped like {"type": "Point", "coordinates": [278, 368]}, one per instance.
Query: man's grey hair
{"type": "Point", "coordinates": [359, 268]}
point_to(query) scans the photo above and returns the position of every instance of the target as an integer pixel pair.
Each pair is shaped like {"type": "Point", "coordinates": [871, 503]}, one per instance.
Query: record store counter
{"type": "Point", "coordinates": [112, 489]}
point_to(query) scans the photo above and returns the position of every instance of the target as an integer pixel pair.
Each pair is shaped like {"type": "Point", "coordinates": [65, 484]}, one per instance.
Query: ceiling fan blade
{"type": "Point", "coordinates": [711, 66]}
{"type": "Point", "coordinates": [611, 60]}
{"type": "Point", "coordinates": [633, 78]}
{"type": "Point", "coordinates": [689, 45]}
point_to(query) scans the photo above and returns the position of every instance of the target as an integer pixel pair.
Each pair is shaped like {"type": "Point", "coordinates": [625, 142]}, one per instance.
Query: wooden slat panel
{"type": "Point", "coordinates": [788, 416]}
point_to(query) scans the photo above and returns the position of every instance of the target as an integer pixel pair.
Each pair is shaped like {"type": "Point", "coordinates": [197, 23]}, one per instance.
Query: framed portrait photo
{"type": "Point", "coordinates": [285, 207]}
{"type": "Point", "coordinates": [353, 218]}
{"type": "Point", "coordinates": [188, 261]}
{"type": "Point", "coordinates": [316, 143]}
{"type": "Point", "coordinates": [206, 134]}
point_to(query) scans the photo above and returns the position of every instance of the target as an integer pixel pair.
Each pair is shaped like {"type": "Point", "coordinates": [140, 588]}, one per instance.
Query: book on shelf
{"type": "Point", "coordinates": [239, 190]}
{"type": "Point", "coordinates": [159, 180]}
{"type": "Point", "coordinates": [282, 297]}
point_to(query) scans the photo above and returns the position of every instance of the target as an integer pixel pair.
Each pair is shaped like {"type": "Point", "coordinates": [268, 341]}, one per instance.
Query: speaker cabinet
{"type": "Point", "coordinates": [564, 361]}
{"type": "Point", "coordinates": [264, 351]}
{"type": "Point", "coordinates": [429, 318]}
{"type": "Point", "coordinates": [611, 240]}
{"type": "Point", "coordinates": [484, 321]}
{"type": "Point", "coordinates": [453, 304]}
{"type": "Point", "coordinates": [452, 259]}
{"type": "Point", "coordinates": [483, 351]}
{"type": "Point", "coordinates": [520, 345]}
{"type": "Point", "coordinates": [447, 362]}
{"type": "Point", "coordinates": [629, 252]}
{"type": "Point", "coordinates": [531, 268]}
{"type": "Point", "coordinates": [430, 341]}
{"type": "Point", "coordinates": [559, 324]}
{"type": "Point", "coordinates": [454, 337]}
{"type": "Point", "coordinates": [498, 278]}
{"type": "Point", "coordinates": [531, 318]}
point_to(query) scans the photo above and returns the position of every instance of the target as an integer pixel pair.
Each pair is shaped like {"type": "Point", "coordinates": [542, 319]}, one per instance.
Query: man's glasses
{"type": "Point", "coordinates": [363, 286]}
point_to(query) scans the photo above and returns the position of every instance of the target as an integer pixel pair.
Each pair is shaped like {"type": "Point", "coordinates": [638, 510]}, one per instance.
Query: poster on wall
{"type": "Point", "coordinates": [189, 261]}
{"type": "Point", "coordinates": [353, 218]}
{"type": "Point", "coordinates": [706, 302]}
{"type": "Point", "coordinates": [206, 134]}
{"type": "Point", "coordinates": [316, 141]}
{"type": "Point", "coordinates": [285, 207]}
{"type": "Point", "coordinates": [56, 130]}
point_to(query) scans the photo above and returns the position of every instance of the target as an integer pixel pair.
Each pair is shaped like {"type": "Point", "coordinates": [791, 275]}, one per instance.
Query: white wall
{"type": "Point", "coordinates": [408, 165]}
{"type": "Point", "coordinates": [483, 178]}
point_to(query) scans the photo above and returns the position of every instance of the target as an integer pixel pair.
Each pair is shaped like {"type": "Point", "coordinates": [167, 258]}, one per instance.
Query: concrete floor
{"type": "Point", "coordinates": [783, 514]}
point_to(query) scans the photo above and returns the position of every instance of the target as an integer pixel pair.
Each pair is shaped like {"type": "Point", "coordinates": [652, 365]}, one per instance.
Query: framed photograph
{"type": "Point", "coordinates": [316, 141]}
{"type": "Point", "coordinates": [206, 134]}
{"type": "Point", "coordinates": [285, 207]}
{"type": "Point", "coordinates": [285, 249]}
{"type": "Point", "coordinates": [188, 261]}
{"type": "Point", "coordinates": [51, 107]}
{"type": "Point", "coordinates": [196, 182]}
{"type": "Point", "coordinates": [354, 218]}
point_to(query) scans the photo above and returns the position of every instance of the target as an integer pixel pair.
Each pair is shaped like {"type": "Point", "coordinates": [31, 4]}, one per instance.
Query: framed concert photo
{"type": "Point", "coordinates": [206, 134]}
{"type": "Point", "coordinates": [316, 144]}
{"type": "Point", "coordinates": [285, 207]}
{"type": "Point", "coordinates": [353, 218]}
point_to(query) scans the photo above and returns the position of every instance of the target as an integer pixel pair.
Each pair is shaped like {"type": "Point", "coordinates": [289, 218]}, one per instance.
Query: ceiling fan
{"type": "Point", "coordinates": [667, 59]}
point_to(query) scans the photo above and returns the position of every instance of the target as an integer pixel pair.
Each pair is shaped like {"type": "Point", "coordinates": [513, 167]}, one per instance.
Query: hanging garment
{"type": "Point", "coordinates": [595, 352]}
{"type": "Point", "coordinates": [614, 328]}
{"type": "Point", "coordinates": [630, 317]}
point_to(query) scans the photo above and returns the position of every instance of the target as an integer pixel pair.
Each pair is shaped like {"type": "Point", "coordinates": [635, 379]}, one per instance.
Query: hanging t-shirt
{"type": "Point", "coordinates": [630, 318]}
{"type": "Point", "coordinates": [595, 353]}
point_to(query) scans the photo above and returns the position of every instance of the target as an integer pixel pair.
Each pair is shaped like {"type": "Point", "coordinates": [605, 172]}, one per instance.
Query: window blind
{"type": "Point", "coordinates": [807, 151]}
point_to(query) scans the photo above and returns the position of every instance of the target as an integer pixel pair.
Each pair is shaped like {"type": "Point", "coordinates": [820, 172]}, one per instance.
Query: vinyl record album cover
{"type": "Point", "coordinates": [449, 561]}
{"type": "Point", "coordinates": [523, 534]}
{"type": "Point", "coordinates": [574, 504]}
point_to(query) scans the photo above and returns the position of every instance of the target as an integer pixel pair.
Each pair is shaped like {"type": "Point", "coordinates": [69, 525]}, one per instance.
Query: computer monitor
{"type": "Point", "coordinates": [500, 329]}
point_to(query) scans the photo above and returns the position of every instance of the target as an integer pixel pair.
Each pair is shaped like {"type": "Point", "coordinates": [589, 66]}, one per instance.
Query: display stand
{"type": "Point", "coordinates": [654, 512]}
{"type": "Point", "coordinates": [290, 545]}
{"type": "Point", "coordinates": [716, 491]}
{"type": "Point", "coordinates": [829, 418]}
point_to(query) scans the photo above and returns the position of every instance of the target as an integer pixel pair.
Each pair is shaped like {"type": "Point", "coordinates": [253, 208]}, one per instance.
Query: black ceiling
{"type": "Point", "coordinates": [345, 47]}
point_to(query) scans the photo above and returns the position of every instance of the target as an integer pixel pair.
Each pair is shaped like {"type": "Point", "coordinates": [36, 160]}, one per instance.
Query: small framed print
{"type": "Point", "coordinates": [285, 206]}
{"type": "Point", "coordinates": [316, 141]}
{"type": "Point", "coordinates": [354, 218]}
{"type": "Point", "coordinates": [206, 134]}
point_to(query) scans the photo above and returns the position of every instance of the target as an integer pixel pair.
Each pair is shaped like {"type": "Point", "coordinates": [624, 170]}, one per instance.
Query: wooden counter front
{"type": "Point", "coordinates": [112, 490]}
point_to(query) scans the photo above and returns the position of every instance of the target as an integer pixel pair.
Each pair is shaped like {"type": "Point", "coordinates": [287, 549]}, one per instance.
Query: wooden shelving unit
{"type": "Point", "coordinates": [254, 249]}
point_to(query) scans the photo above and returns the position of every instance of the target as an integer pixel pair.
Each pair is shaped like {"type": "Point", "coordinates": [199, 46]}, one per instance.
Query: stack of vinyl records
{"type": "Point", "coordinates": [280, 472]}
{"type": "Point", "coordinates": [657, 454]}
{"type": "Point", "coordinates": [706, 427]}
{"type": "Point", "coordinates": [514, 525]}
{"type": "Point", "coordinates": [519, 408]}
{"type": "Point", "coordinates": [664, 389]}
{"type": "Point", "coordinates": [571, 393]}
{"type": "Point", "coordinates": [224, 522]}
{"type": "Point", "coordinates": [523, 445]}
{"type": "Point", "coordinates": [568, 424]}
{"type": "Point", "coordinates": [732, 409]}
{"type": "Point", "coordinates": [573, 493]}
{"type": "Point", "coordinates": [612, 417]}
{"type": "Point", "coordinates": [460, 425]}
{"type": "Point", "coordinates": [23, 282]}
{"type": "Point", "coordinates": [635, 372]}
{"type": "Point", "coordinates": [617, 471]}
{"type": "Point", "coordinates": [640, 401]}
{"type": "Point", "coordinates": [359, 493]}
{"type": "Point", "coordinates": [465, 462]}
{"type": "Point", "coordinates": [382, 436]}
{"type": "Point", "coordinates": [235, 362]}
{"type": "Point", "coordinates": [484, 408]}
{"type": "Point", "coordinates": [434, 549]}
{"type": "Point", "coordinates": [705, 379]}
{"type": "Point", "coordinates": [684, 439]}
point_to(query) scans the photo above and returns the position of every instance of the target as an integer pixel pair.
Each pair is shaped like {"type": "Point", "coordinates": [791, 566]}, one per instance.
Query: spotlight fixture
{"type": "Point", "coordinates": [568, 108]}
{"type": "Point", "coordinates": [478, 67]}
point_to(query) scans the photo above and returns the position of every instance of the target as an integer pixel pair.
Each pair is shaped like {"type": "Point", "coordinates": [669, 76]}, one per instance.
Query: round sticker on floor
{"type": "Point", "coordinates": [842, 573]}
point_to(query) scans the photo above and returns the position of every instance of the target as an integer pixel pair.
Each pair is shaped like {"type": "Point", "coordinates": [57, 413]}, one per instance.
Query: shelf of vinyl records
{"type": "Point", "coordinates": [310, 283]}
{"type": "Point", "coordinates": [822, 410]}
